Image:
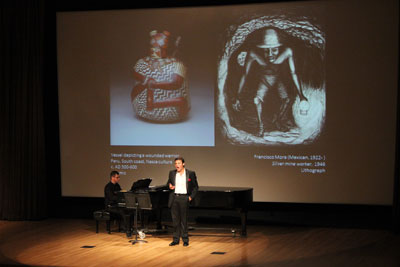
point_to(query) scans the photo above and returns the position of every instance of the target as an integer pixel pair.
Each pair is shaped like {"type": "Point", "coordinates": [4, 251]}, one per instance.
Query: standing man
{"type": "Point", "coordinates": [183, 185]}
{"type": "Point", "coordinates": [111, 201]}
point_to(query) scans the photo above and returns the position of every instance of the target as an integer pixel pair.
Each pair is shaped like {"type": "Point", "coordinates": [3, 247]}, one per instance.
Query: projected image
{"type": "Point", "coordinates": [161, 92]}
{"type": "Point", "coordinates": [160, 106]}
{"type": "Point", "coordinates": [271, 83]}
{"type": "Point", "coordinates": [241, 91]}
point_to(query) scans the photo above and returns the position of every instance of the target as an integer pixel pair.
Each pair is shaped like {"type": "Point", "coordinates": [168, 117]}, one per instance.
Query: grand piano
{"type": "Point", "coordinates": [208, 197]}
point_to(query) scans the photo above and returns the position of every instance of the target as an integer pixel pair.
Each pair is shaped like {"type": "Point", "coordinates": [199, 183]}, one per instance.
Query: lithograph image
{"type": "Point", "coordinates": [271, 81]}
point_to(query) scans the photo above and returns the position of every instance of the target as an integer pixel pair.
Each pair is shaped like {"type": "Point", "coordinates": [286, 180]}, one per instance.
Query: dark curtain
{"type": "Point", "coordinates": [23, 193]}
{"type": "Point", "coordinates": [396, 193]}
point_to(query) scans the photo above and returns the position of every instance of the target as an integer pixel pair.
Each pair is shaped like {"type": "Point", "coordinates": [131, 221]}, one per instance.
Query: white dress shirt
{"type": "Point", "coordinates": [180, 183]}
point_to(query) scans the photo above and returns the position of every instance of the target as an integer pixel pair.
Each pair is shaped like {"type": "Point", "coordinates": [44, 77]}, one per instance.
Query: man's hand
{"type": "Point", "coordinates": [172, 187]}
{"type": "Point", "coordinates": [190, 199]}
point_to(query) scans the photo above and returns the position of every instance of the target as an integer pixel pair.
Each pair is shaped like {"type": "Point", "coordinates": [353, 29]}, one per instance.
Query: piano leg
{"type": "Point", "coordinates": [158, 217]}
{"type": "Point", "coordinates": [243, 220]}
{"type": "Point", "coordinates": [142, 218]}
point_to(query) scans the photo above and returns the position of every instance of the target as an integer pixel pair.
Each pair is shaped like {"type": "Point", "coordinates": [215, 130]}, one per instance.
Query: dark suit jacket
{"type": "Point", "coordinates": [111, 194]}
{"type": "Point", "coordinates": [191, 185]}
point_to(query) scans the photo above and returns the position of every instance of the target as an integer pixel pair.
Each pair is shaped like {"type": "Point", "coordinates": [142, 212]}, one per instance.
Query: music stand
{"type": "Point", "coordinates": [137, 201]}
{"type": "Point", "coordinates": [141, 184]}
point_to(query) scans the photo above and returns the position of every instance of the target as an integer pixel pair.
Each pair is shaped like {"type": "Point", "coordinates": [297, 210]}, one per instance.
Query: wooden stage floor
{"type": "Point", "coordinates": [60, 242]}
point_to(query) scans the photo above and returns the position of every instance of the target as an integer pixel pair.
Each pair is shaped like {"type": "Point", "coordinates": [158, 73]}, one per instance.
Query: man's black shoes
{"type": "Point", "coordinates": [173, 243]}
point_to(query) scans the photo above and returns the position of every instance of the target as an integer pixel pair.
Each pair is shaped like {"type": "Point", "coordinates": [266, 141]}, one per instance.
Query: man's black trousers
{"type": "Point", "coordinates": [179, 210]}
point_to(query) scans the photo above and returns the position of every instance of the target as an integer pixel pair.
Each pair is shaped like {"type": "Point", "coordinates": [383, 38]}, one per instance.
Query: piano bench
{"type": "Point", "coordinates": [103, 215]}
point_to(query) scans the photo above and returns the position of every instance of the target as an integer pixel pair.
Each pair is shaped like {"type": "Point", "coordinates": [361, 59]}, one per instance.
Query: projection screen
{"type": "Point", "coordinates": [294, 99]}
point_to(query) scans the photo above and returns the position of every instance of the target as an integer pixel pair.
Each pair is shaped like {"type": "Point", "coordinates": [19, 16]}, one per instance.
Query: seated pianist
{"type": "Point", "coordinates": [111, 202]}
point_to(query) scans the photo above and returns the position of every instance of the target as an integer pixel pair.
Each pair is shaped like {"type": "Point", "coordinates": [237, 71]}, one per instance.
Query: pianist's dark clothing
{"type": "Point", "coordinates": [179, 204]}
{"type": "Point", "coordinates": [111, 202]}
{"type": "Point", "coordinates": [111, 194]}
